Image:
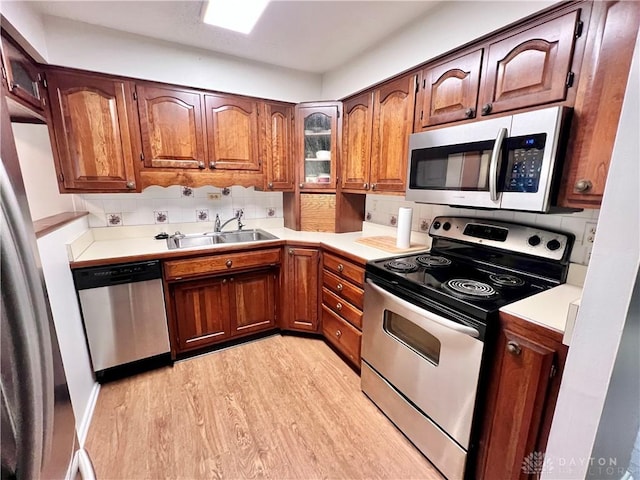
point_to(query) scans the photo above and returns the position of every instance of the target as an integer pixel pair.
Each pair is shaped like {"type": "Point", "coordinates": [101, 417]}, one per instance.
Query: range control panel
{"type": "Point", "coordinates": [530, 240]}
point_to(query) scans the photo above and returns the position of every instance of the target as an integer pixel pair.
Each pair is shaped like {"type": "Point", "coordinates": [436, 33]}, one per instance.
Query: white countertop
{"type": "Point", "coordinates": [108, 244]}
{"type": "Point", "coordinates": [548, 308]}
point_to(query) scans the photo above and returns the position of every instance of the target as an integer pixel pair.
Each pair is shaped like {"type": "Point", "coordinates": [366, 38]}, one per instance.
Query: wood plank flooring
{"type": "Point", "coordinates": [282, 407]}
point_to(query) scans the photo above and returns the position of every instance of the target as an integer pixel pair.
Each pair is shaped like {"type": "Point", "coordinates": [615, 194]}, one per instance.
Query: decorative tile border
{"type": "Point", "coordinates": [114, 219]}
{"type": "Point", "coordinates": [161, 216]}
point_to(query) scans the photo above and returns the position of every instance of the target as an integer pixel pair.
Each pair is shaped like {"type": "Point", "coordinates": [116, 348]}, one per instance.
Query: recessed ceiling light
{"type": "Point", "coordinates": [236, 15]}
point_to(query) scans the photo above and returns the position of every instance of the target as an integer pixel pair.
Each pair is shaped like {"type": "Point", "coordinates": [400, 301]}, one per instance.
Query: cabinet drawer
{"type": "Point", "coordinates": [344, 268]}
{"type": "Point", "coordinates": [343, 289]}
{"type": "Point", "coordinates": [342, 308]}
{"type": "Point", "coordinates": [341, 335]}
{"type": "Point", "coordinates": [193, 267]}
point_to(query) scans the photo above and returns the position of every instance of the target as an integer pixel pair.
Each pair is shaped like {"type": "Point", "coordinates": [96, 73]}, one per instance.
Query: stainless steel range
{"type": "Point", "coordinates": [429, 320]}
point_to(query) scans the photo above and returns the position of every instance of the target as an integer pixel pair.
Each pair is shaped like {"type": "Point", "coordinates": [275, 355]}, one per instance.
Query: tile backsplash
{"type": "Point", "coordinates": [176, 204]}
{"type": "Point", "coordinates": [383, 210]}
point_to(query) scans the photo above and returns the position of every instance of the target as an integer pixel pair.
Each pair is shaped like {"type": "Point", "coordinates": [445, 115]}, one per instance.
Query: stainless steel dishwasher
{"type": "Point", "coordinates": [124, 315]}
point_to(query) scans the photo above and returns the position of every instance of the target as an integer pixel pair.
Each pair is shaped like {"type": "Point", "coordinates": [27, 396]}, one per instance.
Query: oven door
{"type": "Point", "coordinates": [431, 360]}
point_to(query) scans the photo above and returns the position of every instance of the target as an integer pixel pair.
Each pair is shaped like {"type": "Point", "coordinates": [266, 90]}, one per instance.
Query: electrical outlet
{"type": "Point", "coordinates": [587, 256]}
{"type": "Point", "coordinates": [589, 233]}
{"type": "Point", "coordinates": [214, 196]}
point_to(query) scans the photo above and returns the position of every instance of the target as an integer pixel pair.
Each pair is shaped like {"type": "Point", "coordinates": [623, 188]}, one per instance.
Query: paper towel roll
{"type": "Point", "coordinates": [403, 239]}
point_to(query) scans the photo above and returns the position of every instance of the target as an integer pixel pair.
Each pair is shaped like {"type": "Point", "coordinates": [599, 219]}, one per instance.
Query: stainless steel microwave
{"type": "Point", "coordinates": [508, 162]}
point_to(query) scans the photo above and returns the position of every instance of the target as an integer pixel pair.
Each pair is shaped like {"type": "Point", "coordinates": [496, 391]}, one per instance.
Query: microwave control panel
{"type": "Point", "coordinates": [524, 163]}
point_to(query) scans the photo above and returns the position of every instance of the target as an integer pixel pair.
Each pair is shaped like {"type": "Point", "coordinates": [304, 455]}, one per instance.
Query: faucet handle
{"type": "Point", "coordinates": [239, 216]}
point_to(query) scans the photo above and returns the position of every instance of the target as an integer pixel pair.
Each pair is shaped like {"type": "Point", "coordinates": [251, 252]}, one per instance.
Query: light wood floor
{"type": "Point", "coordinates": [279, 408]}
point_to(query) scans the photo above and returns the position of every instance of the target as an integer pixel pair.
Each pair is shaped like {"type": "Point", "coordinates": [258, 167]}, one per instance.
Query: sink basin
{"type": "Point", "coordinates": [207, 239]}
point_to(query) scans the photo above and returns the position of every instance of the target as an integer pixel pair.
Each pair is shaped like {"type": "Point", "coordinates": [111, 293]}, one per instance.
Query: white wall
{"type": "Point", "coordinates": [80, 45]}
{"type": "Point", "coordinates": [38, 171]}
{"type": "Point", "coordinates": [83, 389]}
{"type": "Point", "coordinates": [26, 27]}
{"type": "Point", "coordinates": [605, 302]}
{"type": "Point", "coordinates": [445, 27]}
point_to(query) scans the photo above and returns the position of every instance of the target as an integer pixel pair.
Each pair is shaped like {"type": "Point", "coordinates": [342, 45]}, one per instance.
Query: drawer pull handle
{"type": "Point", "coordinates": [339, 287]}
{"type": "Point", "coordinates": [229, 263]}
{"type": "Point", "coordinates": [340, 267]}
{"type": "Point", "coordinates": [291, 251]}
{"type": "Point", "coordinates": [514, 348]}
{"type": "Point", "coordinates": [338, 333]}
{"type": "Point", "coordinates": [338, 306]}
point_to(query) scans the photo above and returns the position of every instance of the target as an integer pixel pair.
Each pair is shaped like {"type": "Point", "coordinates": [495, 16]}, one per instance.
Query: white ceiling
{"type": "Point", "coordinates": [312, 36]}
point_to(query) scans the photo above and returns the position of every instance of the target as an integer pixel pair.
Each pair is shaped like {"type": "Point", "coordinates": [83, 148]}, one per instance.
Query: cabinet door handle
{"type": "Point", "coordinates": [229, 263]}
{"type": "Point", "coordinates": [514, 348]}
{"type": "Point", "coordinates": [583, 185]}
{"type": "Point", "coordinates": [131, 185]}
{"type": "Point", "coordinates": [224, 280]}
{"type": "Point", "coordinates": [339, 287]}
{"type": "Point", "coordinates": [486, 109]}
{"type": "Point", "coordinates": [338, 306]}
{"type": "Point", "coordinates": [469, 112]}
{"type": "Point", "coordinates": [301, 185]}
{"type": "Point", "coordinates": [201, 165]}
{"type": "Point", "coordinates": [374, 186]}
{"type": "Point", "coordinates": [291, 251]}
{"type": "Point", "coordinates": [212, 165]}
{"type": "Point", "coordinates": [270, 186]}
{"type": "Point", "coordinates": [340, 267]}
{"type": "Point", "coordinates": [338, 333]}
{"type": "Point", "coordinates": [366, 186]}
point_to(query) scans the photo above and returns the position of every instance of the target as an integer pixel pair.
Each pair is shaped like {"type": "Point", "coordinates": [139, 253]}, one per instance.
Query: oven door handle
{"type": "Point", "coordinates": [472, 332]}
{"type": "Point", "coordinates": [495, 163]}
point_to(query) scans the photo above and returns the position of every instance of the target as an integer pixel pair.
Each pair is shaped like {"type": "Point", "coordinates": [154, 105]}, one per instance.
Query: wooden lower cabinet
{"type": "Point", "coordinates": [201, 310]}
{"type": "Point", "coordinates": [211, 310]}
{"type": "Point", "coordinates": [342, 303]}
{"type": "Point", "coordinates": [520, 398]}
{"type": "Point", "coordinates": [342, 335]}
{"type": "Point", "coordinates": [301, 290]}
{"type": "Point", "coordinates": [253, 300]}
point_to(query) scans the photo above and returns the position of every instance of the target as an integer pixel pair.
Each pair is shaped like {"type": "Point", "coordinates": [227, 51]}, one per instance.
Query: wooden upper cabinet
{"type": "Point", "coordinates": [393, 108]}
{"type": "Point", "coordinates": [277, 145]}
{"type": "Point", "coordinates": [171, 125]}
{"type": "Point", "coordinates": [22, 76]}
{"type": "Point", "coordinates": [449, 91]}
{"type": "Point", "coordinates": [529, 68]}
{"type": "Point", "coordinates": [92, 127]}
{"type": "Point", "coordinates": [603, 81]}
{"type": "Point", "coordinates": [317, 147]}
{"type": "Point", "coordinates": [356, 142]}
{"type": "Point", "coordinates": [232, 132]}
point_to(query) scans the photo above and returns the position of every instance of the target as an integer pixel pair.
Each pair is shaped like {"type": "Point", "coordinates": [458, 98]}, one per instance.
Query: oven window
{"type": "Point", "coordinates": [454, 167]}
{"type": "Point", "coordinates": [414, 337]}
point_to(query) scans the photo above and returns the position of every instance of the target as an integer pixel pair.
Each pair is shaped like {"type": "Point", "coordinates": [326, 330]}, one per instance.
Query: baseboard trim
{"type": "Point", "coordinates": [83, 426]}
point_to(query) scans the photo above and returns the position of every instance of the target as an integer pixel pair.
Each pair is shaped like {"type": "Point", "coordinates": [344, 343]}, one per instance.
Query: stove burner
{"type": "Point", "coordinates": [469, 289]}
{"type": "Point", "coordinates": [401, 266]}
{"type": "Point", "coordinates": [433, 261]}
{"type": "Point", "coordinates": [505, 280]}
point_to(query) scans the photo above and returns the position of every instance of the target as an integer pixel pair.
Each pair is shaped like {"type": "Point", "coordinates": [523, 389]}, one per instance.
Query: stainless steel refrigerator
{"type": "Point", "coordinates": [38, 426]}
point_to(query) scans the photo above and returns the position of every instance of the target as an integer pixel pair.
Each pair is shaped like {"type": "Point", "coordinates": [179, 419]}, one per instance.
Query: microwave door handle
{"type": "Point", "coordinates": [472, 332]}
{"type": "Point", "coordinates": [493, 165]}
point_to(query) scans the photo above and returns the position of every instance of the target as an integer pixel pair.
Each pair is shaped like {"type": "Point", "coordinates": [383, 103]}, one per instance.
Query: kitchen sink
{"type": "Point", "coordinates": [180, 240]}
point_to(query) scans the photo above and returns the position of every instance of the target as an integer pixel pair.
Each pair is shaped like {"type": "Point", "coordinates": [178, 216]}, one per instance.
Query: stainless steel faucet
{"type": "Point", "coordinates": [217, 226]}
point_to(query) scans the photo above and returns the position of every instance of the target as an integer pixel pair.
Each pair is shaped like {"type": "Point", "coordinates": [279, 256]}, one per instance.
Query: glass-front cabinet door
{"type": "Point", "coordinates": [317, 150]}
